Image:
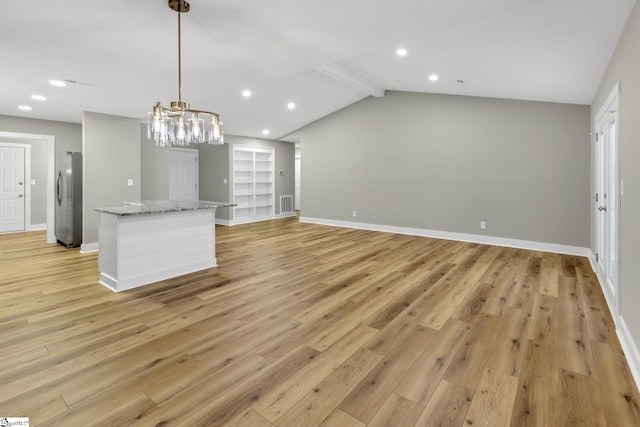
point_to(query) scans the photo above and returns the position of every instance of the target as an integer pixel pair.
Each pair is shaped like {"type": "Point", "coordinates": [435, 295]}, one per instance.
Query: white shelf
{"type": "Point", "coordinates": [253, 190]}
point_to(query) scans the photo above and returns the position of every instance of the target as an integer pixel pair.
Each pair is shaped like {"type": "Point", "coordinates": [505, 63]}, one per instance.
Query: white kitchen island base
{"type": "Point", "coordinates": [139, 248]}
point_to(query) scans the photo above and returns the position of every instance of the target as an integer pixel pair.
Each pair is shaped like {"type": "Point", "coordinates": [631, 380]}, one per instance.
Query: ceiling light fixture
{"type": "Point", "coordinates": [291, 106]}
{"type": "Point", "coordinates": [58, 83]}
{"type": "Point", "coordinates": [433, 77]}
{"type": "Point", "coordinates": [39, 97]}
{"type": "Point", "coordinates": [246, 93]}
{"type": "Point", "coordinates": [24, 107]}
{"type": "Point", "coordinates": [169, 126]}
{"type": "Point", "coordinates": [401, 52]}
{"type": "Point", "coordinates": [265, 132]}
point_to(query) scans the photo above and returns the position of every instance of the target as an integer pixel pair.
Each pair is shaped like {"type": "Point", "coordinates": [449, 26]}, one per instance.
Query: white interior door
{"type": "Point", "coordinates": [607, 201]}
{"type": "Point", "coordinates": [183, 174]}
{"type": "Point", "coordinates": [12, 189]}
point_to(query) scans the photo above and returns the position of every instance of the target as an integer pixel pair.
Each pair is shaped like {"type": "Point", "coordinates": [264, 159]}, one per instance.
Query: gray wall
{"type": "Point", "coordinates": [445, 163]}
{"type": "Point", "coordinates": [111, 155]}
{"type": "Point", "coordinates": [214, 169]}
{"type": "Point", "coordinates": [625, 67]}
{"type": "Point", "coordinates": [68, 137]}
{"type": "Point", "coordinates": [154, 168]}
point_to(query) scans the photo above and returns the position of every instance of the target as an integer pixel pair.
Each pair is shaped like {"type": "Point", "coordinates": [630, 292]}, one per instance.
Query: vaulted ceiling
{"type": "Point", "coordinates": [120, 56]}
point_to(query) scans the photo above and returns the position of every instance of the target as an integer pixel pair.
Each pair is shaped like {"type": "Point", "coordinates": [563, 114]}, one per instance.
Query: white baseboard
{"type": "Point", "coordinates": [232, 222]}
{"type": "Point", "coordinates": [462, 237]}
{"type": "Point", "coordinates": [285, 215]}
{"type": "Point", "coordinates": [37, 227]}
{"type": "Point", "coordinates": [630, 349]}
{"type": "Point", "coordinates": [629, 346]}
{"type": "Point", "coordinates": [86, 248]}
{"type": "Point", "coordinates": [222, 221]}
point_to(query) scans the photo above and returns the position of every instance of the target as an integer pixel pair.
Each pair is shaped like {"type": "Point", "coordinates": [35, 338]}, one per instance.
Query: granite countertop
{"type": "Point", "coordinates": [146, 207]}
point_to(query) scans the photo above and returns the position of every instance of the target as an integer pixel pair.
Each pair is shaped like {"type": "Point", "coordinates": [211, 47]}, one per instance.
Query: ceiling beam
{"type": "Point", "coordinates": [351, 79]}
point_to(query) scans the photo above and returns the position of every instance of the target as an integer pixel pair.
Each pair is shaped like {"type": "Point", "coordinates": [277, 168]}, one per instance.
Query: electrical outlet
{"type": "Point", "coordinates": [224, 181]}
{"type": "Point", "coordinates": [483, 225]}
{"type": "Point", "coordinates": [355, 214]}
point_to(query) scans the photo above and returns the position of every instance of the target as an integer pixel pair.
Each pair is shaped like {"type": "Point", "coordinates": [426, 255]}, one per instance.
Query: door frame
{"type": "Point", "coordinates": [27, 181]}
{"type": "Point", "coordinates": [10, 137]}
{"type": "Point", "coordinates": [611, 105]}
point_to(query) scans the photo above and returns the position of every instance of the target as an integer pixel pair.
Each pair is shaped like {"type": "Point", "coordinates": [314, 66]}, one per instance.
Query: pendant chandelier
{"type": "Point", "coordinates": [171, 126]}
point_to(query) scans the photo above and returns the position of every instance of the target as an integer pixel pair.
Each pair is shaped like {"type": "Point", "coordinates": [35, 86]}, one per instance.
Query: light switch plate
{"type": "Point", "coordinates": [130, 182]}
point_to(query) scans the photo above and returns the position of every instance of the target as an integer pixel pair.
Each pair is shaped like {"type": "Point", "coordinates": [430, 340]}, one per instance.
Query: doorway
{"type": "Point", "coordinates": [13, 188]}
{"type": "Point", "coordinates": [183, 174]}
{"type": "Point", "coordinates": [49, 140]}
{"type": "Point", "coordinates": [607, 200]}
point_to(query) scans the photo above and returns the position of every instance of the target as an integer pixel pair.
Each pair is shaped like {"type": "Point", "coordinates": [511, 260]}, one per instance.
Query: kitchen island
{"type": "Point", "coordinates": [153, 240]}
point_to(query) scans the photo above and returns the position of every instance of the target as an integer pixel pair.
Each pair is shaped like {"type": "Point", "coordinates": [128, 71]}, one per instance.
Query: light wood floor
{"type": "Point", "coordinates": [306, 325]}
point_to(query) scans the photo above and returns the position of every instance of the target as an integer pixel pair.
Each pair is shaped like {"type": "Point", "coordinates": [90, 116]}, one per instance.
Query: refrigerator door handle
{"type": "Point", "coordinates": [58, 195]}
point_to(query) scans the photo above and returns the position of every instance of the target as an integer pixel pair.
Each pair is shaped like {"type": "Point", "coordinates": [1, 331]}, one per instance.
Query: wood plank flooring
{"type": "Point", "coordinates": [308, 325]}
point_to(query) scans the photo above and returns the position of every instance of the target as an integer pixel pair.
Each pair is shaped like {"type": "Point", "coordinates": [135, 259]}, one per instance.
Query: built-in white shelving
{"type": "Point", "coordinates": [253, 190]}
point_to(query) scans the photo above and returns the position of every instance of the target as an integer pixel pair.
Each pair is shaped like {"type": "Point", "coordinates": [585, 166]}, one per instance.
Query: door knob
{"type": "Point", "coordinates": [602, 208]}
{"type": "Point", "coordinates": [20, 195]}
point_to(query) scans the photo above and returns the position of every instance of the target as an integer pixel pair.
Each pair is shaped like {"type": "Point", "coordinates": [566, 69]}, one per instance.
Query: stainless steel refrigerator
{"type": "Point", "coordinates": [69, 199]}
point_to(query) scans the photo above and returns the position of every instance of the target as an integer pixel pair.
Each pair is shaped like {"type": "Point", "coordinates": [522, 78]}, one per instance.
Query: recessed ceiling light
{"type": "Point", "coordinates": [246, 93]}
{"type": "Point", "coordinates": [291, 106]}
{"type": "Point", "coordinates": [58, 83]}
{"type": "Point", "coordinates": [265, 132]}
{"type": "Point", "coordinates": [39, 97]}
{"type": "Point", "coordinates": [401, 52]}
{"type": "Point", "coordinates": [433, 77]}
{"type": "Point", "coordinates": [24, 107]}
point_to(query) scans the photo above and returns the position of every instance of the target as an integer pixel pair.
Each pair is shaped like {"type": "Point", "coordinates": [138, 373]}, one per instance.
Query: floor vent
{"type": "Point", "coordinates": [286, 204]}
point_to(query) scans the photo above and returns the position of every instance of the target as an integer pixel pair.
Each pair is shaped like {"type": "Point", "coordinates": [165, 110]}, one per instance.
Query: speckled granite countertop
{"type": "Point", "coordinates": [147, 207]}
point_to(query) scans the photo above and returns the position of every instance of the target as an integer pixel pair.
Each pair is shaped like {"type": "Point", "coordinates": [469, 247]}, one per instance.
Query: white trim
{"type": "Point", "coordinates": [232, 222]}
{"type": "Point", "coordinates": [37, 227]}
{"type": "Point", "coordinates": [610, 99]}
{"type": "Point", "coordinates": [153, 277]}
{"type": "Point", "coordinates": [601, 279]}
{"type": "Point", "coordinates": [611, 105]}
{"type": "Point", "coordinates": [285, 215]}
{"type": "Point", "coordinates": [50, 140]}
{"type": "Point", "coordinates": [462, 237]}
{"type": "Point", "coordinates": [629, 347]}
{"type": "Point", "coordinates": [86, 248]}
{"type": "Point", "coordinates": [27, 181]}
{"type": "Point", "coordinates": [249, 220]}
{"type": "Point", "coordinates": [630, 350]}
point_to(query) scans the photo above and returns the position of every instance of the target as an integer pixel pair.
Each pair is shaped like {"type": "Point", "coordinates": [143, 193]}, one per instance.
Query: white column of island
{"type": "Point", "coordinates": [149, 241]}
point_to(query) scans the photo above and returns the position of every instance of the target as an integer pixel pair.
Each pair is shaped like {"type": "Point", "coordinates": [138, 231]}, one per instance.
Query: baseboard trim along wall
{"type": "Point", "coordinates": [37, 227]}
{"type": "Point", "coordinates": [232, 222]}
{"type": "Point", "coordinates": [462, 237]}
{"type": "Point", "coordinates": [86, 248]}
{"type": "Point", "coordinates": [629, 346]}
